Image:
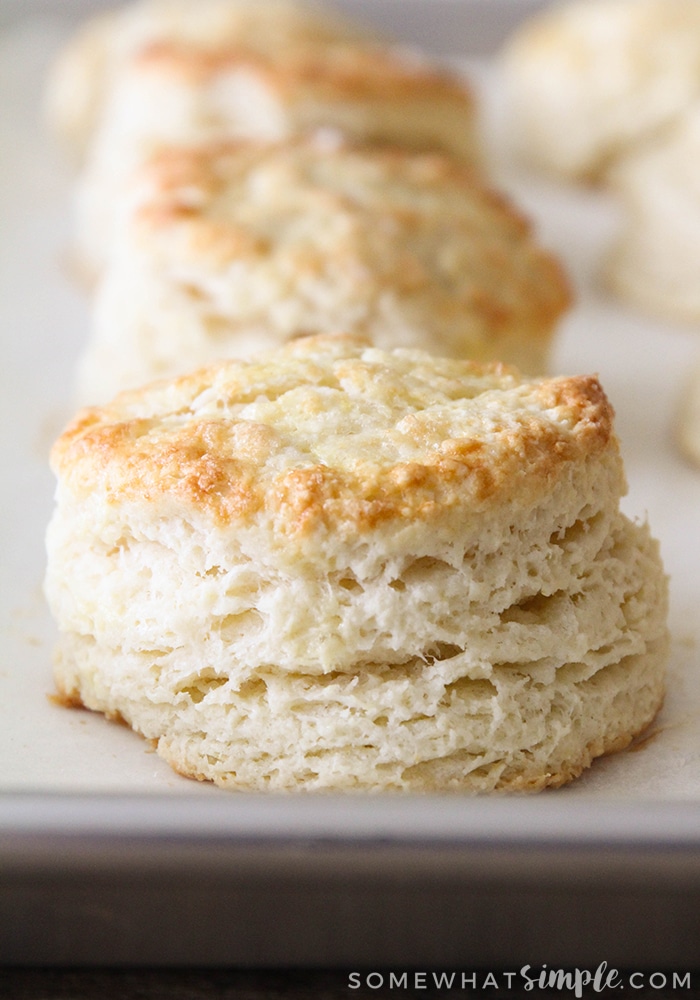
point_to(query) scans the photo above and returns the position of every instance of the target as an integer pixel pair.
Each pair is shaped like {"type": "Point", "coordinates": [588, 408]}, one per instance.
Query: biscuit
{"type": "Point", "coordinates": [176, 94]}
{"type": "Point", "coordinates": [245, 246]}
{"type": "Point", "coordinates": [654, 262]}
{"type": "Point", "coordinates": [334, 567]}
{"type": "Point", "coordinates": [86, 69]}
{"type": "Point", "coordinates": [587, 80]}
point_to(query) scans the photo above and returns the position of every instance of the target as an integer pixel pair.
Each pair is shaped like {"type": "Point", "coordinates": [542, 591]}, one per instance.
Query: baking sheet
{"type": "Point", "coordinates": [642, 364]}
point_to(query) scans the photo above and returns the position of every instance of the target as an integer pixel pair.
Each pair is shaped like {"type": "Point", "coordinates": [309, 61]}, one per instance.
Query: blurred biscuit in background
{"type": "Point", "coordinates": [588, 80]}
{"type": "Point", "coordinates": [231, 248]}
{"type": "Point", "coordinates": [88, 67]}
{"type": "Point", "coordinates": [655, 261]}
{"type": "Point", "coordinates": [333, 567]}
{"type": "Point", "coordinates": [267, 74]}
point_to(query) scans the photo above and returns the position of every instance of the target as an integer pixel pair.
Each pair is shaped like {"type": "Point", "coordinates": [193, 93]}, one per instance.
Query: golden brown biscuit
{"type": "Point", "coordinates": [333, 567]}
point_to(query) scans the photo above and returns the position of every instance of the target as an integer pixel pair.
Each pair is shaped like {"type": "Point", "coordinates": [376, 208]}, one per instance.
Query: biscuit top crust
{"type": "Point", "coordinates": [329, 433]}
{"type": "Point", "coordinates": [370, 221]}
{"type": "Point", "coordinates": [335, 70]}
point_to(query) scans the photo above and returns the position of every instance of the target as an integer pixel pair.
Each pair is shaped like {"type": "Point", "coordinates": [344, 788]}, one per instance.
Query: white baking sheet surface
{"type": "Point", "coordinates": [47, 749]}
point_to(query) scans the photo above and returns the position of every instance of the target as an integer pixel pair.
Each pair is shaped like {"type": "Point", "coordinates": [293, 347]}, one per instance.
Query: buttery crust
{"type": "Point", "coordinates": [428, 444]}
